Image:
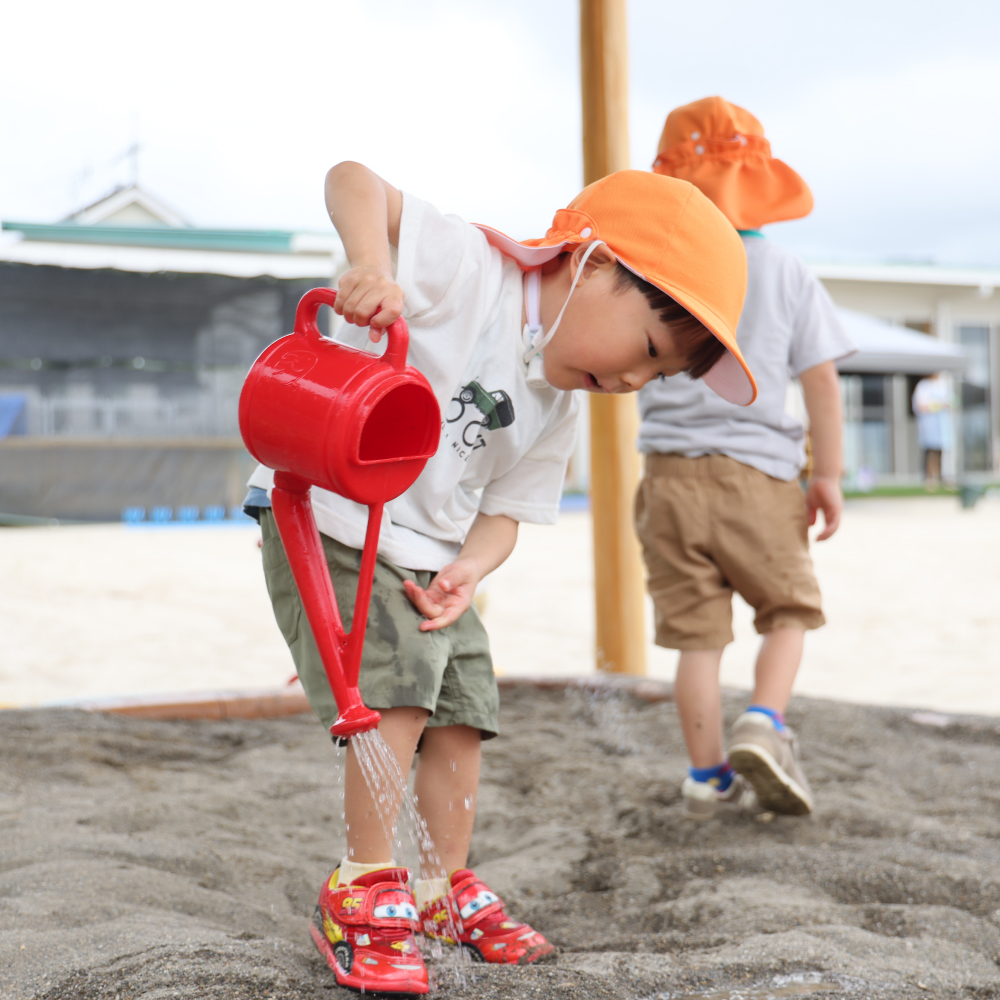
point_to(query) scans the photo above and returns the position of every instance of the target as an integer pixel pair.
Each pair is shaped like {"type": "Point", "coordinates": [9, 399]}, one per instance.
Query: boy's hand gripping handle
{"type": "Point", "coordinates": [305, 325]}
{"type": "Point", "coordinates": [339, 651]}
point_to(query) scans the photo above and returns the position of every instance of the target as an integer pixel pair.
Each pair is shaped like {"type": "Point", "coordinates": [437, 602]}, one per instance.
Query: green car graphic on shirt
{"type": "Point", "coordinates": [496, 407]}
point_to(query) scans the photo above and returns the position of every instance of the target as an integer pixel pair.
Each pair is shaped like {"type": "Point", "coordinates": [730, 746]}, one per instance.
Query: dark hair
{"type": "Point", "coordinates": [703, 347]}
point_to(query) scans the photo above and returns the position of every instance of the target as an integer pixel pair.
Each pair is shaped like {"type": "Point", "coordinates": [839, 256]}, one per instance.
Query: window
{"type": "Point", "coordinates": [867, 427]}
{"type": "Point", "coordinates": [876, 424]}
{"type": "Point", "coordinates": [975, 400]}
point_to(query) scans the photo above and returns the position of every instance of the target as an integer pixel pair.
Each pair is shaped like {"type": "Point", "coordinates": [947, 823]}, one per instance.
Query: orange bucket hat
{"type": "Point", "coordinates": [721, 149]}
{"type": "Point", "coordinates": [668, 233]}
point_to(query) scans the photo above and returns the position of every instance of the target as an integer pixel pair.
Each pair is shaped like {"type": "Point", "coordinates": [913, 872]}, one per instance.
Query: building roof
{"type": "Point", "coordinates": [887, 349]}
{"type": "Point", "coordinates": [127, 205]}
{"type": "Point", "coordinates": [306, 259]}
{"type": "Point", "coordinates": [132, 230]}
{"type": "Point", "coordinates": [986, 278]}
{"type": "Point", "coordinates": [163, 237]}
{"type": "Point", "coordinates": [242, 253]}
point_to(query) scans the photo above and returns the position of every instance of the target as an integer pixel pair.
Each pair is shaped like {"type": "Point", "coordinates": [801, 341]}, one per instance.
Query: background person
{"type": "Point", "coordinates": [720, 507]}
{"type": "Point", "coordinates": [932, 405]}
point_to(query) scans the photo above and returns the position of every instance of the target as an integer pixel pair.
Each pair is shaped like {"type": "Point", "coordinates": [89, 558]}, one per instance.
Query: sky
{"type": "Point", "coordinates": [888, 109]}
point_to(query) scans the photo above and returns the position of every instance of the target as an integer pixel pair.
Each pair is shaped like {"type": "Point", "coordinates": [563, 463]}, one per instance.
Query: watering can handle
{"type": "Point", "coordinates": [305, 325]}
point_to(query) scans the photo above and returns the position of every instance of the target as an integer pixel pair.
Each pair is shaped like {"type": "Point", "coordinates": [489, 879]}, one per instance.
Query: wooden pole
{"type": "Point", "coordinates": [614, 420]}
{"type": "Point", "coordinates": [604, 82]}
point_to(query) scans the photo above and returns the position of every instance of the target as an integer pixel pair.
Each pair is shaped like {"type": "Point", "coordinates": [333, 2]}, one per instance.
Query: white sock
{"type": "Point", "coordinates": [351, 870]}
{"type": "Point", "coordinates": [426, 890]}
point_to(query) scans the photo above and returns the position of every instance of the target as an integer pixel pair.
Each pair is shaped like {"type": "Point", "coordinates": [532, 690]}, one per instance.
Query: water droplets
{"type": "Point", "coordinates": [394, 802]}
{"type": "Point", "coordinates": [612, 713]}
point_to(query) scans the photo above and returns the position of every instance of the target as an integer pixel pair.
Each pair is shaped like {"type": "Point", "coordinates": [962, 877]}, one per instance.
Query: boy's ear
{"type": "Point", "coordinates": [601, 259]}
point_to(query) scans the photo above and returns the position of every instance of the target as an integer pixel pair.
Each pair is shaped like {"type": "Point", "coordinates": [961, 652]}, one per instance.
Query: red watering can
{"type": "Point", "coordinates": [323, 414]}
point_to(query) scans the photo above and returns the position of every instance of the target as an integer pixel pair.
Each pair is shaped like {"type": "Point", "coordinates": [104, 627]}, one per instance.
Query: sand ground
{"type": "Point", "coordinates": [910, 590]}
{"type": "Point", "coordinates": [181, 860]}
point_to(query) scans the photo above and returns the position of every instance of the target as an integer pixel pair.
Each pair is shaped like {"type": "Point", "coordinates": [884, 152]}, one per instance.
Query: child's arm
{"type": "Point", "coordinates": [489, 542]}
{"type": "Point", "coordinates": [365, 211]}
{"type": "Point", "coordinates": [821, 389]}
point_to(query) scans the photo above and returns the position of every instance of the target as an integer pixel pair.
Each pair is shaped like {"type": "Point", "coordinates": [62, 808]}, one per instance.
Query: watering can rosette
{"type": "Point", "coordinates": [320, 413]}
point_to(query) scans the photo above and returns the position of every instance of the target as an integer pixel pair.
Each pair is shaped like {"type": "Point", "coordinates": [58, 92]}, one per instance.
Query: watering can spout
{"type": "Point", "coordinates": [323, 414]}
{"type": "Point", "coordinates": [340, 651]}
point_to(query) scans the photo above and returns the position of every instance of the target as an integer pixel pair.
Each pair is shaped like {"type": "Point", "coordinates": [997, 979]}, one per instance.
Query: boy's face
{"type": "Point", "coordinates": [609, 340]}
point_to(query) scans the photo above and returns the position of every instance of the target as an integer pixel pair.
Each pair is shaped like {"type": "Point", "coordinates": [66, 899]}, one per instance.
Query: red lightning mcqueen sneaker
{"type": "Point", "coordinates": [475, 914]}
{"type": "Point", "coordinates": [365, 932]}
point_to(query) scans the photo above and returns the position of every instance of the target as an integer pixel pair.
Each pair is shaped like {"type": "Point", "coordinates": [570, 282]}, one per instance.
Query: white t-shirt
{"type": "Point", "coordinates": [463, 303]}
{"type": "Point", "coordinates": [788, 326]}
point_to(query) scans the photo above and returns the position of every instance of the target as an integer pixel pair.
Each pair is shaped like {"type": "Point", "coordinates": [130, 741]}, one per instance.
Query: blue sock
{"type": "Point", "coordinates": [720, 776]}
{"type": "Point", "coordinates": [776, 717]}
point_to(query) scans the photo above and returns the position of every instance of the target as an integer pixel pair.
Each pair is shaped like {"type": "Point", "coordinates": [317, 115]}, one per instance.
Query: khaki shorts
{"type": "Point", "coordinates": [712, 525]}
{"type": "Point", "coordinates": [449, 672]}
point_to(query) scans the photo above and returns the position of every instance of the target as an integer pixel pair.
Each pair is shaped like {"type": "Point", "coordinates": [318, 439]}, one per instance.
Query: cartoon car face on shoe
{"type": "Point", "coordinates": [394, 904]}
{"type": "Point", "coordinates": [474, 899]}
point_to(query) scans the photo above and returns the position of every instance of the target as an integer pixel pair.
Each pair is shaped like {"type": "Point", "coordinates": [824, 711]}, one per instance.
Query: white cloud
{"type": "Point", "coordinates": [242, 112]}
{"type": "Point", "coordinates": [886, 108]}
{"type": "Point", "coordinates": [902, 163]}
{"type": "Point", "coordinates": [929, 124]}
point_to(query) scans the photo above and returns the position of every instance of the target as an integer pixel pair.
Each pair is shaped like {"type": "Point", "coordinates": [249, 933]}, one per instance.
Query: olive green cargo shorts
{"type": "Point", "coordinates": [449, 671]}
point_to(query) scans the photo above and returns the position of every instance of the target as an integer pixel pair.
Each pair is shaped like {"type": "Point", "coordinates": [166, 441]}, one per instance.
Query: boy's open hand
{"type": "Point", "coordinates": [448, 596]}
{"type": "Point", "coordinates": [823, 494]}
{"type": "Point", "coordinates": [367, 296]}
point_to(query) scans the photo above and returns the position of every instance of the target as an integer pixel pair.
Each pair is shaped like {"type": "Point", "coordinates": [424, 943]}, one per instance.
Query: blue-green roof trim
{"type": "Point", "coordinates": [245, 240]}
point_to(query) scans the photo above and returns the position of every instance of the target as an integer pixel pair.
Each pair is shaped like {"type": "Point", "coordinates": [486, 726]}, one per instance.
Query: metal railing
{"type": "Point", "coordinates": [189, 415]}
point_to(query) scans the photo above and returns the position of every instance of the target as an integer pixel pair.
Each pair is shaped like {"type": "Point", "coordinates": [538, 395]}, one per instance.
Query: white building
{"type": "Point", "coordinates": [956, 307]}
{"type": "Point", "coordinates": [908, 320]}
{"type": "Point", "coordinates": [125, 336]}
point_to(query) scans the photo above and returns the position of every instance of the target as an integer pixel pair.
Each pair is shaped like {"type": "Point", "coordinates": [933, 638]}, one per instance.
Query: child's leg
{"type": "Point", "coordinates": [762, 748]}
{"type": "Point", "coordinates": [367, 843]}
{"type": "Point", "coordinates": [777, 664]}
{"type": "Point", "coordinates": [699, 705]}
{"type": "Point", "coordinates": [446, 784]}
{"type": "Point", "coordinates": [453, 902]}
{"type": "Point", "coordinates": [447, 778]}
{"type": "Point", "coordinates": [934, 466]}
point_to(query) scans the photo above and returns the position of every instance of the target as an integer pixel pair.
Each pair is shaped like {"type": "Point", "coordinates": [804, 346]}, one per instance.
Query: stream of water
{"type": "Point", "coordinates": [401, 821]}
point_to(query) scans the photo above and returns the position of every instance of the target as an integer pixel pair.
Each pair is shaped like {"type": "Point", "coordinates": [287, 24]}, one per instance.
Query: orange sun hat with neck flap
{"type": "Point", "coordinates": [721, 149]}
{"type": "Point", "coordinates": [668, 233]}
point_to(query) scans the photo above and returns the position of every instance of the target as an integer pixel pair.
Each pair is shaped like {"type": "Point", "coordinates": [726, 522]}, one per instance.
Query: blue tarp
{"type": "Point", "coordinates": [12, 413]}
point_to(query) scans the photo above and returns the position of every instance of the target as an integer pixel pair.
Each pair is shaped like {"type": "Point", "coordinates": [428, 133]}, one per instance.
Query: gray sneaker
{"type": "Point", "coordinates": [766, 758]}
{"type": "Point", "coordinates": [701, 801]}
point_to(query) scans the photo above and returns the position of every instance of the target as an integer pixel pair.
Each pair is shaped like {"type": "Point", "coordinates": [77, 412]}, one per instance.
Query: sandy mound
{"type": "Point", "coordinates": [164, 860]}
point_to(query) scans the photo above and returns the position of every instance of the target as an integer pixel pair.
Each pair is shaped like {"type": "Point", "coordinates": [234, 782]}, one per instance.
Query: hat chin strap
{"type": "Point", "coordinates": [534, 336]}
